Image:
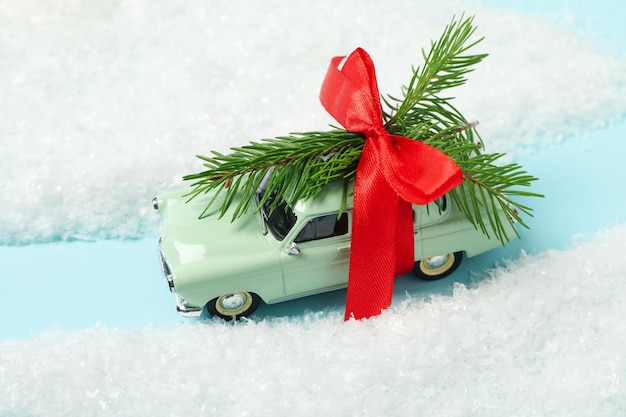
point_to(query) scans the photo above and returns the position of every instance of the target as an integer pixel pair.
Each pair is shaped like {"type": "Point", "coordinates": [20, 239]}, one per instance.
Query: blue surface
{"type": "Point", "coordinates": [68, 286]}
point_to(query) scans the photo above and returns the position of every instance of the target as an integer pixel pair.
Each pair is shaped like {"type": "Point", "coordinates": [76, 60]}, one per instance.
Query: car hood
{"type": "Point", "coordinates": [186, 238]}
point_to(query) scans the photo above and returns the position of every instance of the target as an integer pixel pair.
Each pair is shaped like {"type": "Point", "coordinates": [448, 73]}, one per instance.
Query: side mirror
{"type": "Point", "coordinates": [292, 249]}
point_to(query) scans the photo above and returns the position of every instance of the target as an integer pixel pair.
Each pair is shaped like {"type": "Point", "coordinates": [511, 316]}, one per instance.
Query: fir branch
{"type": "Point", "coordinates": [297, 166]}
{"type": "Point", "coordinates": [445, 66]}
{"type": "Point", "coordinates": [488, 189]}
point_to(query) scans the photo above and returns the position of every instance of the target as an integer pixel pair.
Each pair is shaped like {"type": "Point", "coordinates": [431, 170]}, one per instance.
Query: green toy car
{"type": "Point", "coordinates": [290, 252]}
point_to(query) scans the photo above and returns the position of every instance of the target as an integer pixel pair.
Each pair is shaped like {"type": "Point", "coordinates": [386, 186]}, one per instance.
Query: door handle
{"type": "Point", "coordinates": [344, 249]}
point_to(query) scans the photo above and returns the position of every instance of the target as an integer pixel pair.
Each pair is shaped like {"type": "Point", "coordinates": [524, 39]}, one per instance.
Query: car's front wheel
{"type": "Point", "coordinates": [437, 267]}
{"type": "Point", "coordinates": [234, 306]}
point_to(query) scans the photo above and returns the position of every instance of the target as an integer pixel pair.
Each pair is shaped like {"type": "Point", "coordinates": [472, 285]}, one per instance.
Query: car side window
{"type": "Point", "coordinates": [435, 212]}
{"type": "Point", "coordinates": [323, 227]}
{"type": "Point", "coordinates": [442, 203]}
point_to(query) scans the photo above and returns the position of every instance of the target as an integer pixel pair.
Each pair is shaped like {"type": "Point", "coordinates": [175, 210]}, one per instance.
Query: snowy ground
{"type": "Point", "coordinates": [105, 104]}
{"type": "Point", "coordinates": [543, 338]}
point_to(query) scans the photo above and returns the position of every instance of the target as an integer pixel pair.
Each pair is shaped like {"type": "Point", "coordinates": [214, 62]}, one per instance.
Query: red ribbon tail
{"type": "Point", "coordinates": [405, 238]}
{"type": "Point", "coordinates": [382, 240]}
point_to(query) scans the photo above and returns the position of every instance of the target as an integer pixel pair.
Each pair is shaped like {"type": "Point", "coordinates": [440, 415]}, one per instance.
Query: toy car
{"type": "Point", "coordinates": [290, 252]}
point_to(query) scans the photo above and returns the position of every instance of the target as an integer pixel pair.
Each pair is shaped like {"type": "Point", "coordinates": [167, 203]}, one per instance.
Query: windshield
{"type": "Point", "coordinates": [278, 217]}
{"type": "Point", "coordinates": [281, 220]}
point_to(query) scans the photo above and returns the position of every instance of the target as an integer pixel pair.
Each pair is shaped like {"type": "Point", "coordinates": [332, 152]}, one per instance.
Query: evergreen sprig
{"type": "Point", "coordinates": [445, 66]}
{"type": "Point", "coordinates": [297, 166]}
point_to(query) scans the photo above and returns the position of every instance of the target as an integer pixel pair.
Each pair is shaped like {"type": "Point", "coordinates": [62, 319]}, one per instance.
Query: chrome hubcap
{"type": "Point", "coordinates": [437, 261]}
{"type": "Point", "coordinates": [233, 301]}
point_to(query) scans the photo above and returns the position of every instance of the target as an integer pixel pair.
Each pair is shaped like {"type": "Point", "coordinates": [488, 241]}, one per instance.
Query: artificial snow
{"type": "Point", "coordinates": [104, 104]}
{"type": "Point", "coordinates": [544, 336]}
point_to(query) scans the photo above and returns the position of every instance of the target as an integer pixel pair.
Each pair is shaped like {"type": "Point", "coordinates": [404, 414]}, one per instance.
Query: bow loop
{"type": "Point", "coordinates": [416, 171]}
{"type": "Point", "coordinates": [350, 92]}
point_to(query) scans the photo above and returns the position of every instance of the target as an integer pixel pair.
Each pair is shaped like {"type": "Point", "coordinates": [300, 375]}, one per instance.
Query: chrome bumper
{"type": "Point", "coordinates": [182, 306]}
{"type": "Point", "coordinates": [166, 271]}
{"type": "Point", "coordinates": [186, 310]}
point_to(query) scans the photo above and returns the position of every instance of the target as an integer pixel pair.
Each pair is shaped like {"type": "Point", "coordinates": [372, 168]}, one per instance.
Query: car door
{"type": "Point", "coordinates": [323, 255]}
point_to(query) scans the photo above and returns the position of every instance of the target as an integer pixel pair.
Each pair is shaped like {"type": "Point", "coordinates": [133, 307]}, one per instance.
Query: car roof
{"type": "Point", "coordinates": [329, 200]}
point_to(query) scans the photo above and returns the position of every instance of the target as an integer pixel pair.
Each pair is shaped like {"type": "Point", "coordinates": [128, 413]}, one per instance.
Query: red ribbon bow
{"type": "Point", "coordinates": [393, 172]}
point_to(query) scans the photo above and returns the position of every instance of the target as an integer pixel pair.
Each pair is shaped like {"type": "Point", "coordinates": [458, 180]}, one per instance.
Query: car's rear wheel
{"type": "Point", "coordinates": [437, 267]}
{"type": "Point", "coordinates": [234, 306]}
